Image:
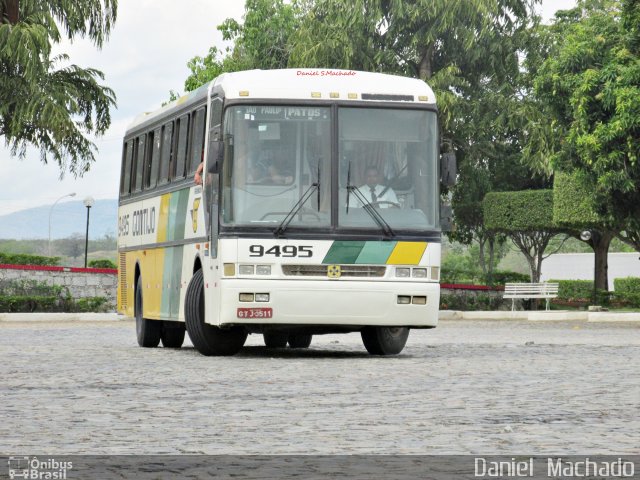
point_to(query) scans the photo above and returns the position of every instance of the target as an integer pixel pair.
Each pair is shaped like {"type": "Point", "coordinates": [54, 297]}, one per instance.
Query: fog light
{"type": "Point", "coordinates": [246, 297]}
{"type": "Point", "coordinates": [263, 269]}
{"type": "Point", "coordinates": [246, 269]}
{"type": "Point", "coordinates": [419, 272]}
{"type": "Point", "coordinates": [419, 300]}
{"type": "Point", "coordinates": [403, 272]}
{"type": "Point", "coordinates": [229, 269]}
{"type": "Point", "coordinates": [435, 273]}
{"type": "Point", "coordinates": [262, 297]}
{"type": "Point", "coordinates": [404, 299]}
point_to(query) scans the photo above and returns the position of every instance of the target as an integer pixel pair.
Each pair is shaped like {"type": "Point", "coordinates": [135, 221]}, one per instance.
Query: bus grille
{"type": "Point", "coordinates": [346, 270]}
{"type": "Point", "coordinates": [123, 281]}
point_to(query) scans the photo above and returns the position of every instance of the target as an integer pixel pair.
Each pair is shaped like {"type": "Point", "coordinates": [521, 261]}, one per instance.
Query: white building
{"type": "Point", "coordinates": [579, 266]}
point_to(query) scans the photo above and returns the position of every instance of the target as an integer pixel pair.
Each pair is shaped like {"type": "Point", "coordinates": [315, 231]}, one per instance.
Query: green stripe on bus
{"type": "Point", "coordinates": [176, 282]}
{"type": "Point", "coordinates": [165, 304]}
{"type": "Point", "coordinates": [177, 214]}
{"type": "Point", "coordinates": [376, 253]}
{"type": "Point", "coordinates": [343, 252]}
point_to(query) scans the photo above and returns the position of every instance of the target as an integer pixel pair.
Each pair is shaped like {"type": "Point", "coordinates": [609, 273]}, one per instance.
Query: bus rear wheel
{"type": "Point", "coordinates": [147, 331]}
{"type": "Point", "coordinates": [207, 339]}
{"type": "Point", "coordinates": [300, 340]}
{"type": "Point", "coordinates": [275, 339]}
{"type": "Point", "coordinates": [384, 340]}
{"type": "Point", "coordinates": [172, 334]}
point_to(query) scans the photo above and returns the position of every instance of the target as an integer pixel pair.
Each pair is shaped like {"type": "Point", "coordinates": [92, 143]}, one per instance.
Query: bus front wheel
{"type": "Point", "coordinates": [207, 339]}
{"type": "Point", "coordinates": [384, 340]}
{"type": "Point", "coordinates": [147, 331]}
{"type": "Point", "coordinates": [300, 340]}
{"type": "Point", "coordinates": [275, 339]}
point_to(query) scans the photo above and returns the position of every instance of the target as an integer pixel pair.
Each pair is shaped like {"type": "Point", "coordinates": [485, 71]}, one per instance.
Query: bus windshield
{"type": "Point", "coordinates": [278, 156]}
{"type": "Point", "coordinates": [273, 155]}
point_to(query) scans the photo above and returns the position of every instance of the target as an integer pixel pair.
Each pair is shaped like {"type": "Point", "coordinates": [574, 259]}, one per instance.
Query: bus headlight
{"type": "Point", "coordinates": [419, 272]}
{"type": "Point", "coordinates": [403, 272]}
{"type": "Point", "coordinates": [229, 269]}
{"type": "Point", "coordinates": [246, 297]}
{"type": "Point", "coordinates": [246, 269]}
{"type": "Point", "coordinates": [262, 297]}
{"type": "Point", "coordinates": [263, 269]}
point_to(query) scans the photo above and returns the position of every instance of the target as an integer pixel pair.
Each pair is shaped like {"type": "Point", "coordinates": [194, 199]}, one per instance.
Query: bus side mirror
{"type": "Point", "coordinates": [448, 169]}
{"type": "Point", "coordinates": [215, 156]}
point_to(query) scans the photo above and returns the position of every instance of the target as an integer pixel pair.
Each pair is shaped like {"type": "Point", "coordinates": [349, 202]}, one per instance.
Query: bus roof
{"type": "Point", "coordinates": [308, 84]}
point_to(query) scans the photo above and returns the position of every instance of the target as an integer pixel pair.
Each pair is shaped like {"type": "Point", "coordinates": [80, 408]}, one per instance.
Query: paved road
{"type": "Point", "coordinates": [476, 387]}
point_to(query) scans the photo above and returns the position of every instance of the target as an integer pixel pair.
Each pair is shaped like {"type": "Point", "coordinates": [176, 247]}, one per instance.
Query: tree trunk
{"type": "Point", "coordinates": [425, 67]}
{"type": "Point", "coordinates": [10, 13]}
{"type": "Point", "coordinates": [483, 265]}
{"type": "Point", "coordinates": [600, 242]}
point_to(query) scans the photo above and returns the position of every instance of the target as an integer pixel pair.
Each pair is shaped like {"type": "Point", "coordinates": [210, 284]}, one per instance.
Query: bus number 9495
{"type": "Point", "coordinates": [304, 251]}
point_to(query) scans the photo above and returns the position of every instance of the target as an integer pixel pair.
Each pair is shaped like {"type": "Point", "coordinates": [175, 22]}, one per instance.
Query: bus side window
{"type": "Point", "coordinates": [156, 142]}
{"type": "Point", "coordinates": [197, 139]}
{"type": "Point", "coordinates": [165, 155]}
{"type": "Point", "coordinates": [127, 155]}
{"type": "Point", "coordinates": [181, 146]}
{"type": "Point", "coordinates": [139, 159]}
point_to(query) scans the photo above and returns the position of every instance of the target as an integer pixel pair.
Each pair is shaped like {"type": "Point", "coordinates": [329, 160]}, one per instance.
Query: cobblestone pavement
{"type": "Point", "coordinates": [476, 387]}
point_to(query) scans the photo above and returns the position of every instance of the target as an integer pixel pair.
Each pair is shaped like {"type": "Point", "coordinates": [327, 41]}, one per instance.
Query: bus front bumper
{"type": "Point", "coordinates": [409, 304]}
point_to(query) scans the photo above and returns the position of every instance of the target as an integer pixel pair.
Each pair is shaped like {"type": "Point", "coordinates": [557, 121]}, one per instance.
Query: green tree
{"type": "Point", "coordinates": [526, 217]}
{"type": "Point", "coordinates": [590, 86]}
{"type": "Point", "coordinates": [43, 104]}
{"type": "Point", "coordinates": [262, 40]}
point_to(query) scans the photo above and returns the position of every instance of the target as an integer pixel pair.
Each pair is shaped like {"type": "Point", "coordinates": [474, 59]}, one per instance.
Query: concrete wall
{"type": "Point", "coordinates": [579, 266]}
{"type": "Point", "coordinates": [81, 282]}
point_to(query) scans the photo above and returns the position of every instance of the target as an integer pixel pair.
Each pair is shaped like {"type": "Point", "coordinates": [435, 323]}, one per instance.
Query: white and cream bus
{"type": "Point", "coordinates": [318, 213]}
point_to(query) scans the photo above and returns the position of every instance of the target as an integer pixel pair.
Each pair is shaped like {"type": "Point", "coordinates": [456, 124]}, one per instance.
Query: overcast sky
{"type": "Point", "coordinates": [143, 60]}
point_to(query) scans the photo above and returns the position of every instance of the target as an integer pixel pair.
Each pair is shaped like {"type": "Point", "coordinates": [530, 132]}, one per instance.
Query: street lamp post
{"type": "Point", "coordinates": [88, 202]}
{"type": "Point", "coordinates": [72, 194]}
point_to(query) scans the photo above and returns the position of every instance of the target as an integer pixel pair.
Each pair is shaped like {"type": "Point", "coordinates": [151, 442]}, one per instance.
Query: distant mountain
{"type": "Point", "coordinates": [67, 218]}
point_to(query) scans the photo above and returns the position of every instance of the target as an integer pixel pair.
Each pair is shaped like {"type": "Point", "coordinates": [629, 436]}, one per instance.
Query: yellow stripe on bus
{"type": "Point", "coordinates": [163, 218]}
{"type": "Point", "coordinates": [407, 253]}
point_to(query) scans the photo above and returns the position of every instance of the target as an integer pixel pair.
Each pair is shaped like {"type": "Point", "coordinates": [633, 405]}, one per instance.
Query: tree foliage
{"type": "Point", "coordinates": [526, 217]}
{"type": "Point", "coordinates": [262, 40]}
{"type": "Point", "coordinates": [43, 104]}
{"type": "Point", "coordinates": [590, 85]}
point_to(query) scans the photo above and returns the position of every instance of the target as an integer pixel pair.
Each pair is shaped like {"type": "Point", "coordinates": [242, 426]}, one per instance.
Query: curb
{"type": "Point", "coordinates": [62, 317]}
{"type": "Point", "coordinates": [541, 316]}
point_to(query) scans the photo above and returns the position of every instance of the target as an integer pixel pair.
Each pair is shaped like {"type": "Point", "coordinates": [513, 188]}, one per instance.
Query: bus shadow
{"type": "Point", "coordinates": [264, 352]}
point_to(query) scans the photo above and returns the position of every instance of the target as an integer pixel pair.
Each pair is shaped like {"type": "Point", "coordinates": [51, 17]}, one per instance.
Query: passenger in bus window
{"type": "Point", "coordinates": [198, 176]}
{"type": "Point", "coordinates": [376, 193]}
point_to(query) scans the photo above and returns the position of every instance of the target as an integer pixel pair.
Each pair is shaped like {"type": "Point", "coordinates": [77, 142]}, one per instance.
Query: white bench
{"type": "Point", "coordinates": [530, 290]}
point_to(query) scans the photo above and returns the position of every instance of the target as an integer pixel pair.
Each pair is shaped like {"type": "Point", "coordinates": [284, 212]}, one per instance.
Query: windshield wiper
{"type": "Point", "coordinates": [296, 208]}
{"type": "Point", "coordinates": [386, 228]}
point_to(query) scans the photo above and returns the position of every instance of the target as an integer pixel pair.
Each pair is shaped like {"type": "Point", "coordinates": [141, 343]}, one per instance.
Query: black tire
{"type": "Point", "coordinates": [147, 331]}
{"type": "Point", "coordinates": [207, 339]}
{"type": "Point", "coordinates": [384, 340]}
{"type": "Point", "coordinates": [300, 340]}
{"type": "Point", "coordinates": [172, 334]}
{"type": "Point", "coordinates": [275, 339]}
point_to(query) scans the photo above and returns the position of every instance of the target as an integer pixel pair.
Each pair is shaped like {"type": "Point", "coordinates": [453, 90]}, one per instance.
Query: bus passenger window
{"type": "Point", "coordinates": [127, 156]}
{"type": "Point", "coordinates": [138, 170]}
{"type": "Point", "coordinates": [155, 158]}
{"type": "Point", "coordinates": [165, 154]}
{"type": "Point", "coordinates": [197, 139]}
{"type": "Point", "coordinates": [182, 145]}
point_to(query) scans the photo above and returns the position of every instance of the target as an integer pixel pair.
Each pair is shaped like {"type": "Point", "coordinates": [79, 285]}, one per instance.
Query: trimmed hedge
{"type": "Point", "coordinates": [102, 263]}
{"type": "Point", "coordinates": [23, 296]}
{"type": "Point", "coordinates": [574, 290]}
{"type": "Point", "coordinates": [25, 259]}
{"type": "Point", "coordinates": [573, 202]}
{"type": "Point", "coordinates": [628, 290]}
{"type": "Point", "coordinates": [527, 210]}
{"type": "Point", "coordinates": [471, 302]}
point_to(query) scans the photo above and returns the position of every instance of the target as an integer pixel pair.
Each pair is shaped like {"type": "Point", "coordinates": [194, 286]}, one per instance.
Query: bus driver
{"type": "Point", "coordinates": [377, 194]}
